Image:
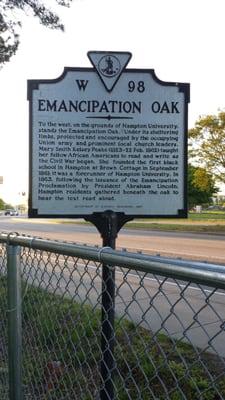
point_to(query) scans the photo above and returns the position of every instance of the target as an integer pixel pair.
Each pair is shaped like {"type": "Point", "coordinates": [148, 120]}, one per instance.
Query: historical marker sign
{"type": "Point", "coordinates": [107, 138]}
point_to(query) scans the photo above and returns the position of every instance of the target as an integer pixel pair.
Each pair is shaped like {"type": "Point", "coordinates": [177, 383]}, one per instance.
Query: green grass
{"type": "Point", "coordinates": [177, 227]}
{"type": "Point", "coordinates": [57, 329]}
{"type": "Point", "coordinates": [205, 222]}
{"type": "Point", "coordinates": [207, 215]}
{"type": "Point", "coordinates": [62, 330]}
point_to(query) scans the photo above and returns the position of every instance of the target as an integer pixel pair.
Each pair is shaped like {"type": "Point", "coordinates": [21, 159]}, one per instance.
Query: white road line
{"type": "Point", "coordinates": [161, 281]}
{"type": "Point", "coordinates": [181, 285]}
{"type": "Point", "coordinates": [149, 279]}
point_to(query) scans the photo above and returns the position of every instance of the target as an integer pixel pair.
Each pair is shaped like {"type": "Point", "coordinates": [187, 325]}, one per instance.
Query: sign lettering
{"type": "Point", "coordinates": [108, 138]}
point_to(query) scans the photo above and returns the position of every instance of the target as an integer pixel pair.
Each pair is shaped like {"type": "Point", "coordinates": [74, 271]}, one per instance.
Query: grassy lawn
{"type": "Point", "coordinates": [61, 357]}
{"type": "Point", "coordinates": [205, 222]}
{"type": "Point", "coordinates": [207, 215]}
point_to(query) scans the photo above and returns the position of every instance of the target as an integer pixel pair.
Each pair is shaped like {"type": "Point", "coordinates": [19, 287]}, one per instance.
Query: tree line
{"type": "Point", "coordinates": [4, 205]}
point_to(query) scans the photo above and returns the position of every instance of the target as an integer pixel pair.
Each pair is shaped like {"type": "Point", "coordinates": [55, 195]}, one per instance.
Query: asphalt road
{"type": "Point", "coordinates": [200, 247]}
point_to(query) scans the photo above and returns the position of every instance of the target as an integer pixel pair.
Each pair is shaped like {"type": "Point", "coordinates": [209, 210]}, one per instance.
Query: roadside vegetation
{"type": "Point", "coordinates": [207, 145]}
{"type": "Point", "coordinates": [204, 222]}
{"type": "Point", "coordinates": [4, 205]}
{"type": "Point", "coordinates": [61, 356]}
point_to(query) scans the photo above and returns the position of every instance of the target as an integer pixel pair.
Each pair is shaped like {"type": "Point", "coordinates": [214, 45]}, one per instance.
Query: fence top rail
{"type": "Point", "coordinates": [198, 272]}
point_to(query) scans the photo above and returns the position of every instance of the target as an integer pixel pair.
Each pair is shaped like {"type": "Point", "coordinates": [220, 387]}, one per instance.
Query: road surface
{"type": "Point", "coordinates": [200, 247]}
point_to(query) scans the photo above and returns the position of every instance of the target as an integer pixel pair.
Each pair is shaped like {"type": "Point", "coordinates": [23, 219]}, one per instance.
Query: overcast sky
{"type": "Point", "coordinates": [183, 41]}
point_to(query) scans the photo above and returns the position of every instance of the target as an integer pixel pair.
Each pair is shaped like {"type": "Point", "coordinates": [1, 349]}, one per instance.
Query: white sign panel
{"type": "Point", "coordinates": [107, 138]}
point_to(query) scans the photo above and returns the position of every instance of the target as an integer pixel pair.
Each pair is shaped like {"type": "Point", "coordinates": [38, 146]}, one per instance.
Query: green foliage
{"type": "Point", "coordinates": [2, 204]}
{"type": "Point", "coordinates": [207, 143]}
{"type": "Point", "coordinates": [8, 205]}
{"type": "Point", "coordinates": [201, 186]}
{"type": "Point", "coordinates": [10, 23]}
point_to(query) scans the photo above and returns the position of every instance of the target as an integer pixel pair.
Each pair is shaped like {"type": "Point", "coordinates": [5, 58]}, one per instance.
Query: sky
{"type": "Point", "coordinates": [183, 41]}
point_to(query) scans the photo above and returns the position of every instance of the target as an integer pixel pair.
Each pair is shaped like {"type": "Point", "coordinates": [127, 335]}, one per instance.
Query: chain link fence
{"type": "Point", "coordinates": [161, 337]}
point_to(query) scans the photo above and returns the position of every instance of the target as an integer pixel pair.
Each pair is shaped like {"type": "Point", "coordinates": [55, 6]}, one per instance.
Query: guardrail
{"type": "Point", "coordinates": [161, 336]}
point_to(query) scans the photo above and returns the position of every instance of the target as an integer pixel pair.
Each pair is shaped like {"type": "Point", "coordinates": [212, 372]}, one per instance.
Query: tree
{"type": "Point", "coordinates": [2, 204]}
{"type": "Point", "coordinates": [207, 144]}
{"type": "Point", "coordinates": [10, 22]}
{"type": "Point", "coordinates": [8, 206]}
{"type": "Point", "coordinates": [201, 186]}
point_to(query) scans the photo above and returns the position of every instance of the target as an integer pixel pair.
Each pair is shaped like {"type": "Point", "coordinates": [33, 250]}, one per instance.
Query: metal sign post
{"type": "Point", "coordinates": [108, 224]}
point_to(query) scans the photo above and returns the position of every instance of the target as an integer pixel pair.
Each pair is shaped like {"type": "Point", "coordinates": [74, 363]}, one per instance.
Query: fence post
{"type": "Point", "coordinates": [14, 322]}
{"type": "Point", "coordinates": [108, 316]}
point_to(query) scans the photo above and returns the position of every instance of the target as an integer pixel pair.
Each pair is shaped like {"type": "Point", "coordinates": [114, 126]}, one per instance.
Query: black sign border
{"type": "Point", "coordinates": [33, 84]}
